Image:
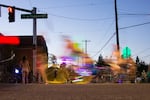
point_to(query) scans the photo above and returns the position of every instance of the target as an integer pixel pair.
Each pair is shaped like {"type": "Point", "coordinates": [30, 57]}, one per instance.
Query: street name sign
{"type": "Point", "coordinates": [30, 16]}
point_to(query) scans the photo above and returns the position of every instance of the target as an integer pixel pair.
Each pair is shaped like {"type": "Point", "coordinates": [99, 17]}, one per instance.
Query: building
{"type": "Point", "coordinates": [10, 55]}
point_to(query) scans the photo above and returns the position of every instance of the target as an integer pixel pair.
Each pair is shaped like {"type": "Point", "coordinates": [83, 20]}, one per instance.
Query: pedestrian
{"type": "Point", "coordinates": [25, 69]}
{"type": "Point", "coordinates": [41, 67]}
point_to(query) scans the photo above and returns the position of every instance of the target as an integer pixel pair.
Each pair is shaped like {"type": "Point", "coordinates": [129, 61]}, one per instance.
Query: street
{"type": "Point", "coordinates": [106, 91]}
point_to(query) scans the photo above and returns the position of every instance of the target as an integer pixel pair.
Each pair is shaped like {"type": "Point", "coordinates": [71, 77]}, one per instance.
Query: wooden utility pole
{"type": "Point", "coordinates": [117, 32]}
{"type": "Point", "coordinates": [86, 41]}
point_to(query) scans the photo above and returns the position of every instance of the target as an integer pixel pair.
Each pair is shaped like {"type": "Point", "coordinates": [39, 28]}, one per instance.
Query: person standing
{"type": "Point", "coordinates": [41, 66]}
{"type": "Point", "coordinates": [25, 69]}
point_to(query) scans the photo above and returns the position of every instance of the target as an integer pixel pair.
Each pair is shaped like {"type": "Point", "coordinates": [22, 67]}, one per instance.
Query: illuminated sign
{"type": "Point", "coordinates": [126, 52]}
{"type": "Point", "coordinates": [12, 40]}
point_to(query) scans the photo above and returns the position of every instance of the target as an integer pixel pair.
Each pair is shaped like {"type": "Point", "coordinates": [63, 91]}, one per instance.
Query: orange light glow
{"type": "Point", "coordinates": [10, 9]}
{"type": "Point", "coordinates": [12, 40]}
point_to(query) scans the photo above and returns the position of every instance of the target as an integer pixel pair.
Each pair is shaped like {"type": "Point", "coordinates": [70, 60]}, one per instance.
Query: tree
{"type": "Point", "coordinates": [137, 60]}
{"type": "Point", "coordinates": [101, 61]}
{"type": "Point", "coordinates": [141, 66]}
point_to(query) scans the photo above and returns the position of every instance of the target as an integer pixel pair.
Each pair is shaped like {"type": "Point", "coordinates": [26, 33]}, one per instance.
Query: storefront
{"type": "Point", "coordinates": [10, 55]}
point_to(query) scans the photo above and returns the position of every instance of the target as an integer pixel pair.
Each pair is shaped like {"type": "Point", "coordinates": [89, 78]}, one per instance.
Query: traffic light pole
{"type": "Point", "coordinates": [16, 8]}
{"type": "Point", "coordinates": [34, 31]}
{"type": "Point", "coordinates": [34, 41]}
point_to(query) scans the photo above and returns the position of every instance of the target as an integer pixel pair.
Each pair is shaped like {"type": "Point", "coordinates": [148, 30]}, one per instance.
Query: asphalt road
{"type": "Point", "coordinates": [75, 92]}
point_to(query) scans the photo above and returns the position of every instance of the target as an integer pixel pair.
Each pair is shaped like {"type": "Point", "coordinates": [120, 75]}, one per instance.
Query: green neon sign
{"type": "Point", "coordinates": [126, 53]}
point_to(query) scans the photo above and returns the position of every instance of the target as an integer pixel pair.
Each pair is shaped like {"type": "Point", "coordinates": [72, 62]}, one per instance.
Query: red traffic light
{"type": "Point", "coordinates": [10, 9]}
{"type": "Point", "coordinates": [11, 14]}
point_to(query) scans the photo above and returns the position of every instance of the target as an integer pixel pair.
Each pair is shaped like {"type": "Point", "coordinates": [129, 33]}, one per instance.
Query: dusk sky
{"type": "Point", "coordinates": [92, 20]}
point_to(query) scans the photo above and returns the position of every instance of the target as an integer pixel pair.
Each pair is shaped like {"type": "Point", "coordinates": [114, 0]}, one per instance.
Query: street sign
{"type": "Point", "coordinates": [126, 53]}
{"type": "Point", "coordinates": [30, 16]}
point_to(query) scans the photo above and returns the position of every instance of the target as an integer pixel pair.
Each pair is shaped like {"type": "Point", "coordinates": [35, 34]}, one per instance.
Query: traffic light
{"type": "Point", "coordinates": [11, 13]}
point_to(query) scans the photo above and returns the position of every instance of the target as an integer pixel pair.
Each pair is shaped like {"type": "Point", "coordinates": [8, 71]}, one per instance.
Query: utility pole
{"type": "Point", "coordinates": [117, 32]}
{"type": "Point", "coordinates": [86, 41]}
{"type": "Point", "coordinates": [84, 57]}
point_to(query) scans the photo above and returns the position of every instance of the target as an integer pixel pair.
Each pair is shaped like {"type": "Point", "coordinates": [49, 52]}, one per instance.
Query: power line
{"type": "Point", "coordinates": [135, 14]}
{"type": "Point", "coordinates": [142, 51]}
{"type": "Point", "coordinates": [122, 28]}
{"type": "Point", "coordinates": [106, 32]}
{"type": "Point", "coordinates": [131, 12]}
{"type": "Point", "coordinates": [80, 19]}
{"type": "Point", "coordinates": [105, 44]}
{"type": "Point", "coordinates": [73, 5]}
{"type": "Point", "coordinates": [77, 19]}
{"type": "Point", "coordinates": [145, 56]}
{"type": "Point", "coordinates": [135, 25]}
